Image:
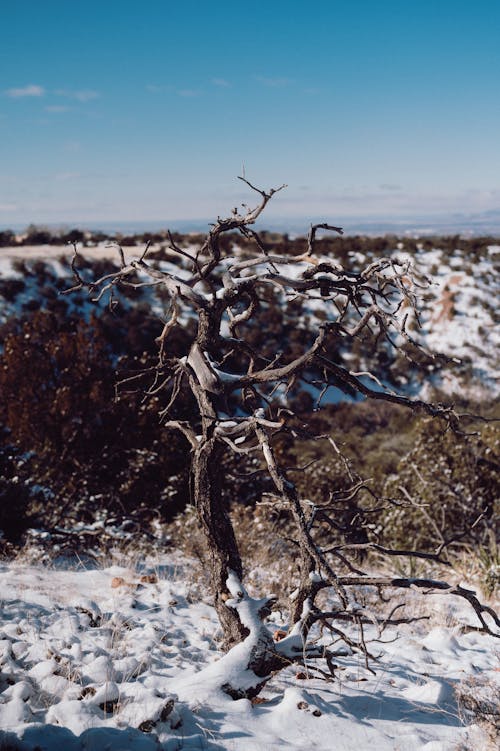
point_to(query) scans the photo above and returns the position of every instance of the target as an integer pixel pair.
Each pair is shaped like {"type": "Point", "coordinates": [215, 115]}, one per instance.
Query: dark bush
{"type": "Point", "coordinates": [14, 502]}
{"type": "Point", "coordinates": [11, 288]}
{"type": "Point", "coordinates": [7, 238]}
{"type": "Point", "coordinates": [57, 379]}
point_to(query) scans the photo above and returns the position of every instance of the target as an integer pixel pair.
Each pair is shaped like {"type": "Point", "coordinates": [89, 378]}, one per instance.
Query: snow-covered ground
{"type": "Point", "coordinates": [112, 658]}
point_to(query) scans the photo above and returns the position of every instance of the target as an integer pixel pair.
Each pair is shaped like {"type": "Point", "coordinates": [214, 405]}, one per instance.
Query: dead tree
{"type": "Point", "coordinates": [243, 409]}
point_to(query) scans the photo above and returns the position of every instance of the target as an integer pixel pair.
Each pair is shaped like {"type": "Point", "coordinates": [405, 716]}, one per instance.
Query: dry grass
{"type": "Point", "coordinates": [478, 701]}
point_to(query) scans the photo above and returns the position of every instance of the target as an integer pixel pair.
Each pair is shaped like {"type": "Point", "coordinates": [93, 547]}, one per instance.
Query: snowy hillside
{"type": "Point", "coordinates": [460, 314]}
{"type": "Point", "coordinates": [458, 304]}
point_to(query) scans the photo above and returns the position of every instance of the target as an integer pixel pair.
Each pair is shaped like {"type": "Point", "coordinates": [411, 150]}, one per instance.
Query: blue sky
{"type": "Point", "coordinates": [148, 110]}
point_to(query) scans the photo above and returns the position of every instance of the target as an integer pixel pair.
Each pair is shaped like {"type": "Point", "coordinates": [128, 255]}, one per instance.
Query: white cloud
{"type": "Point", "coordinates": [30, 90]}
{"type": "Point", "coordinates": [155, 89]}
{"type": "Point", "coordinates": [57, 108]}
{"type": "Point", "coordinates": [72, 147]}
{"type": "Point", "coordinates": [66, 176]}
{"type": "Point", "coordinates": [221, 82]}
{"type": "Point", "coordinates": [81, 95]}
{"type": "Point", "coordinates": [8, 207]}
{"type": "Point", "coordinates": [276, 82]}
{"type": "Point", "coordinates": [169, 89]}
{"type": "Point", "coordinates": [391, 187]}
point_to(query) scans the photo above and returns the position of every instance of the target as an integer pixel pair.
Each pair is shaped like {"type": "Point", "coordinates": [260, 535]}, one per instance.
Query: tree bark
{"type": "Point", "coordinates": [223, 553]}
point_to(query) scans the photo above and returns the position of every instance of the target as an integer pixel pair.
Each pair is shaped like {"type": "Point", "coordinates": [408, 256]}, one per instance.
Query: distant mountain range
{"type": "Point", "coordinates": [467, 225]}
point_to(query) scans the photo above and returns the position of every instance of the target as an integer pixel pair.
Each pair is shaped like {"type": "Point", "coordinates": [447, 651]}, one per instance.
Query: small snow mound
{"type": "Point", "coordinates": [76, 716]}
{"type": "Point", "coordinates": [431, 692]}
{"type": "Point", "coordinates": [441, 640]}
{"type": "Point", "coordinates": [297, 699]}
{"type": "Point", "coordinates": [108, 693]}
{"type": "Point", "coordinates": [98, 669]}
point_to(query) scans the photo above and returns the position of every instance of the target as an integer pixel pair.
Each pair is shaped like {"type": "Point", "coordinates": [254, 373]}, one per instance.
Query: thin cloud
{"type": "Point", "coordinates": [8, 207]}
{"type": "Point", "coordinates": [72, 147]}
{"type": "Point", "coordinates": [169, 89]}
{"type": "Point", "coordinates": [30, 90]}
{"type": "Point", "coordinates": [221, 83]}
{"type": "Point", "coordinates": [66, 176]}
{"type": "Point", "coordinates": [81, 95]}
{"type": "Point", "coordinates": [57, 108]}
{"type": "Point", "coordinates": [391, 187]}
{"type": "Point", "coordinates": [275, 83]}
{"type": "Point", "coordinates": [154, 88]}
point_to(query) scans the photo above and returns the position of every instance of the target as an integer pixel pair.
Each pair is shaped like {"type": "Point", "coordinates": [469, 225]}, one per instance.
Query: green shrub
{"type": "Point", "coordinates": [445, 484]}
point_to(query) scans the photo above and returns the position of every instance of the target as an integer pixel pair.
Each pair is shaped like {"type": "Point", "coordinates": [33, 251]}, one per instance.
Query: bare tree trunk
{"type": "Point", "coordinates": [222, 547]}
